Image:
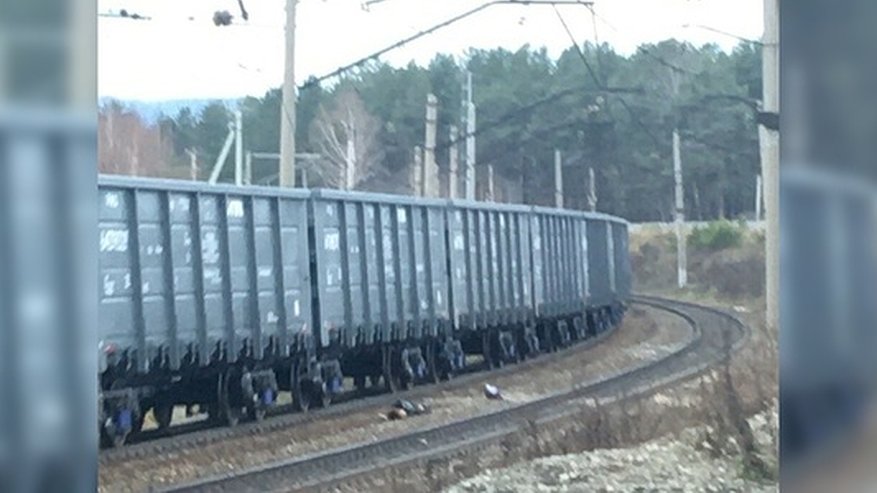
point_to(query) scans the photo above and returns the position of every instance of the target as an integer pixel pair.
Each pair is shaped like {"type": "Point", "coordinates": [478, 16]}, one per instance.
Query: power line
{"type": "Point", "coordinates": [596, 38]}
{"type": "Point", "coordinates": [593, 74]}
{"type": "Point", "coordinates": [524, 110]}
{"type": "Point", "coordinates": [398, 44]}
{"type": "Point", "coordinates": [575, 44]}
{"type": "Point", "coordinates": [725, 33]}
{"type": "Point", "coordinates": [544, 132]}
{"type": "Point", "coordinates": [663, 61]}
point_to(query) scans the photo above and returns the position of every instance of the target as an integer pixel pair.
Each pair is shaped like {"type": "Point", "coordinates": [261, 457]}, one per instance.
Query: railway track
{"type": "Point", "coordinates": [715, 335]}
{"type": "Point", "coordinates": [200, 434]}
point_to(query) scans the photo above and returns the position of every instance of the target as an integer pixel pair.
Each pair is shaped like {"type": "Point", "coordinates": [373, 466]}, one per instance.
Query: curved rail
{"type": "Point", "coordinates": [716, 334]}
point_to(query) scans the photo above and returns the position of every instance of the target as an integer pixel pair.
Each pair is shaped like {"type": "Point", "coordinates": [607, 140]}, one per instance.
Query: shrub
{"type": "Point", "coordinates": [718, 235]}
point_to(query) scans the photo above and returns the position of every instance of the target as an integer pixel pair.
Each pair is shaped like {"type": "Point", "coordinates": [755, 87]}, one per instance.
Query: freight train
{"type": "Point", "coordinates": [222, 297]}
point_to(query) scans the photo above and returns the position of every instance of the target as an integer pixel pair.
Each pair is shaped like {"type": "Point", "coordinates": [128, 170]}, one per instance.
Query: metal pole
{"type": "Point", "coordinates": [287, 110]}
{"type": "Point", "coordinates": [238, 149]}
{"type": "Point", "coordinates": [558, 179]}
{"type": "Point", "coordinates": [452, 163]}
{"type": "Point", "coordinates": [470, 140]}
{"type": "Point", "coordinates": [770, 159]}
{"type": "Point", "coordinates": [682, 268]}
{"type": "Point", "coordinates": [223, 155]}
{"type": "Point", "coordinates": [430, 171]}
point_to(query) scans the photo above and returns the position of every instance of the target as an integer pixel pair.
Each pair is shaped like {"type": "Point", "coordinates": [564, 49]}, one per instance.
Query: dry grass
{"type": "Point", "coordinates": [748, 383]}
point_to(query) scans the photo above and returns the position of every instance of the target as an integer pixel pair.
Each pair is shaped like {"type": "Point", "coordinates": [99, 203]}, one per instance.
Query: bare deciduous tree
{"type": "Point", "coordinates": [347, 137]}
{"type": "Point", "coordinates": [129, 146]}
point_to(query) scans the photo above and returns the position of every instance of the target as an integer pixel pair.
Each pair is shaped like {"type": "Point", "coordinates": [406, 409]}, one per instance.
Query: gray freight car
{"type": "Point", "coordinates": [611, 278]}
{"type": "Point", "coordinates": [205, 300]}
{"type": "Point", "coordinates": [382, 287]}
{"type": "Point", "coordinates": [623, 273]}
{"type": "Point", "coordinates": [491, 281]}
{"type": "Point", "coordinates": [585, 278]}
{"type": "Point", "coordinates": [560, 238]}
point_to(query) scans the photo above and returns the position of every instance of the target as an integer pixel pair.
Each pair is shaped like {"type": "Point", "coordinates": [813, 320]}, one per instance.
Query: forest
{"type": "Point", "coordinates": [612, 113]}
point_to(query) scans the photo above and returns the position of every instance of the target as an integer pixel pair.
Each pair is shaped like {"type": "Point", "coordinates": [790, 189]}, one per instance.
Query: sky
{"type": "Point", "coordinates": [180, 54]}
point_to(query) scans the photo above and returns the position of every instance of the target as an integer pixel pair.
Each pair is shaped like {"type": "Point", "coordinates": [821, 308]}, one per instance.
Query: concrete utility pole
{"type": "Point", "coordinates": [418, 171]}
{"type": "Point", "coordinates": [287, 110]}
{"type": "Point", "coordinates": [452, 163]}
{"type": "Point", "coordinates": [470, 140]}
{"type": "Point", "coordinates": [193, 164]}
{"type": "Point", "coordinates": [234, 131]}
{"type": "Point", "coordinates": [248, 168]}
{"type": "Point", "coordinates": [770, 158]}
{"type": "Point", "coordinates": [592, 191]}
{"type": "Point", "coordinates": [349, 165]}
{"type": "Point", "coordinates": [430, 169]}
{"type": "Point", "coordinates": [238, 149]}
{"type": "Point", "coordinates": [558, 179]}
{"type": "Point", "coordinates": [681, 259]}
{"type": "Point", "coordinates": [490, 189]}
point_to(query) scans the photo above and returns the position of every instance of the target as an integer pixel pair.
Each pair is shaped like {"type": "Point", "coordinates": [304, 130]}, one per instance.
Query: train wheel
{"type": "Point", "coordinates": [301, 393]}
{"type": "Point", "coordinates": [322, 396]}
{"type": "Point", "coordinates": [110, 439]}
{"type": "Point", "coordinates": [374, 380]}
{"type": "Point", "coordinates": [487, 349]}
{"type": "Point", "coordinates": [229, 390]}
{"type": "Point", "coordinates": [548, 337]}
{"type": "Point", "coordinates": [359, 382]}
{"type": "Point", "coordinates": [257, 409]}
{"type": "Point", "coordinates": [403, 372]}
{"type": "Point", "coordinates": [387, 367]}
{"type": "Point", "coordinates": [581, 328]}
{"type": "Point", "coordinates": [257, 413]}
{"type": "Point", "coordinates": [432, 362]}
{"type": "Point", "coordinates": [163, 412]}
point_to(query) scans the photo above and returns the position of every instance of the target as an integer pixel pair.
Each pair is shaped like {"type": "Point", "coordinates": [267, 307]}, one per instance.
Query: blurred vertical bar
{"type": "Point", "coordinates": [48, 265]}
{"type": "Point", "coordinates": [828, 276]}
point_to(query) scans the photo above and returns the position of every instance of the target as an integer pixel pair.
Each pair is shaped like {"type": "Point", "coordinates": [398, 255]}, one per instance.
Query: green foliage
{"type": "Point", "coordinates": [717, 235]}
{"type": "Point", "coordinates": [617, 117]}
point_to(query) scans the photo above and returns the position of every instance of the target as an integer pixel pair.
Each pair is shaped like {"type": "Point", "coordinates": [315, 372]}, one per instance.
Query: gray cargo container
{"type": "Point", "coordinates": [492, 287]}
{"type": "Point", "coordinates": [623, 274]}
{"type": "Point", "coordinates": [194, 273]}
{"type": "Point", "coordinates": [490, 263]}
{"type": "Point", "coordinates": [561, 252]}
{"type": "Point", "coordinates": [600, 262]}
{"type": "Point", "coordinates": [387, 290]}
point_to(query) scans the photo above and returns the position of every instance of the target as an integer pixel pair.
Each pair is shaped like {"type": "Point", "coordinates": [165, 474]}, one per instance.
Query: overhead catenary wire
{"type": "Point", "coordinates": [398, 44]}
{"type": "Point", "coordinates": [599, 83]}
{"type": "Point", "coordinates": [526, 109]}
